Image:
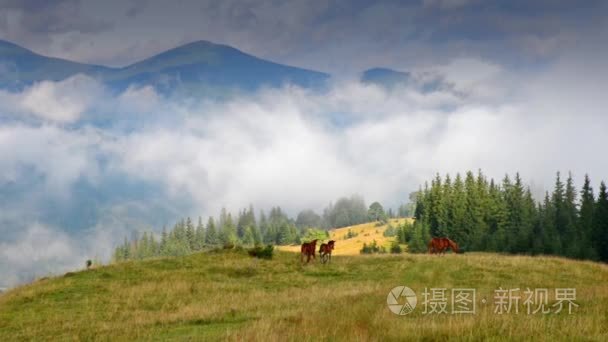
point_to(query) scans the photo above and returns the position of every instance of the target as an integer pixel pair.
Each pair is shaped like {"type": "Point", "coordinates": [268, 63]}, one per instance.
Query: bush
{"type": "Point", "coordinates": [381, 222]}
{"type": "Point", "coordinates": [372, 248]}
{"type": "Point", "coordinates": [396, 248]}
{"type": "Point", "coordinates": [350, 234]}
{"type": "Point", "coordinates": [262, 252]}
{"type": "Point", "coordinates": [312, 234]}
{"type": "Point", "coordinates": [390, 231]}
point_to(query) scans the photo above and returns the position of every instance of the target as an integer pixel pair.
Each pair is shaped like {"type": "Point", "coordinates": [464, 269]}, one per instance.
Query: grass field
{"type": "Point", "coordinates": [228, 295]}
{"type": "Point", "coordinates": [367, 232]}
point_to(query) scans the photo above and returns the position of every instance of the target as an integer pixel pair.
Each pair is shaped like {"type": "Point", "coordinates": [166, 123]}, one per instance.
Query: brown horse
{"type": "Point", "coordinates": [440, 245]}
{"type": "Point", "coordinates": [326, 249]}
{"type": "Point", "coordinates": [308, 249]}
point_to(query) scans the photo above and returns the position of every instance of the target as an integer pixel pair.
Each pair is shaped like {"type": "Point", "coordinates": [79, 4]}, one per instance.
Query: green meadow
{"type": "Point", "coordinates": [227, 295]}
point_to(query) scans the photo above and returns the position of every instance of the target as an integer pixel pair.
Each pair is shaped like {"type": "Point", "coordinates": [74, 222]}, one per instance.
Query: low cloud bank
{"type": "Point", "coordinates": [80, 169]}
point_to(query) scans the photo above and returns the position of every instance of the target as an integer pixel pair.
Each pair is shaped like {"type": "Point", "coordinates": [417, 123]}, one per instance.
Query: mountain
{"type": "Point", "coordinates": [197, 68]}
{"type": "Point", "coordinates": [20, 67]}
{"type": "Point", "coordinates": [425, 82]}
{"type": "Point", "coordinates": [385, 77]}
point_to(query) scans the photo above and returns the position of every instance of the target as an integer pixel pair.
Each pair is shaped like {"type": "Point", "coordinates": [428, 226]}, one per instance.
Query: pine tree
{"type": "Point", "coordinates": [552, 243]}
{"type": "Point", "coordinates": [585, 222]}
{"type": "Point", "coordinates": [228, 233]}
{"type": "Point", "coordinates": [437, 209]}
{"type": "Point", "coordinates": [458, 214]}
{"type": "Point", "coordinates": [199, 236]}
{"type": "Point", "coordinates": [241, 225]}
{"type": "Point", "coordinates": [248, 238]}
{"type": "Point", "coordinates": [529, 219]}
{"type": "Point", "coordinates": [420, 205]}
{"type": "Point", "coordinates": [286, 235]}
{"type": "Point", "coordinates": [538, 232]}
{"type": "Point", "coordinates": [560, 211]}
{"type": "Point", "coordinates": [190, 235]}
{"type": "Point", "coordinates": [163, 241]}
{"type": "Point", "coordinates": [497, 219]}
{"type": "Point", "coordinates": [600, 223]}
{"type": "Point", "coordinates": [179, 233]}
{"type": "Point", "coordinates": [572, 249]}
{"type": "Point", "coordinates": [514, 197]}
{"type": "Point", "coordinates": [153, 245]}
{"type": "Point", "coordinates": [482, 236]}
{"type": "Point", "coordinates": [211, 236]}
{"type": "Point", "coordinates": [448, 211]}
{"type": "Point", "coordinates": [419, 239]}
{"type": "Point", "coordinates": [263, 226]}
{"type": "Point", "coordinates": [474, 227]}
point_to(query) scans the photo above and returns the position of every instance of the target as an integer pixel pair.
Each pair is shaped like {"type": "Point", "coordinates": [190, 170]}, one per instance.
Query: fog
{"type": "Point", "coordinates": [144, 160]}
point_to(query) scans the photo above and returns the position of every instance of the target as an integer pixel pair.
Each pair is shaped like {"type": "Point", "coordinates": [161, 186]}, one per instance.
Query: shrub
{"type": "Point", "coordinates": [262, 252]}
{"type": "Point", "coordinates": [396, 248]}
{"type": "Point", "coordinates": [390, 231]}
{"type": "Point", "coordinates": [312, 234]}
{"type": "Point", "coordinates": [350, 234]}
{"type": "Point", "coordinates": [372, 248]}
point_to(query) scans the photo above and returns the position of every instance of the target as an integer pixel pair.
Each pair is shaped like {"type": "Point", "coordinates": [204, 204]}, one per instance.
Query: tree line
{"type": "Point", "coordinates": [483, 215]}
{"type": "Point", "coordinates": [246, 228]}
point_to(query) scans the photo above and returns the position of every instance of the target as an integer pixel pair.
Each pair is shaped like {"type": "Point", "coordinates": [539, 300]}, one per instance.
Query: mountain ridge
{"type": "Point", "coordinates": [193, 66]}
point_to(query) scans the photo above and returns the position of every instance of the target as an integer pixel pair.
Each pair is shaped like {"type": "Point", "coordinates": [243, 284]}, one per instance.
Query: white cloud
{"type": "Point", "coordinates": [292, 147]}
{"type": "Point", "coordinates": [58, 102]}
{"type": "Point", "coordinates": [39, 251]}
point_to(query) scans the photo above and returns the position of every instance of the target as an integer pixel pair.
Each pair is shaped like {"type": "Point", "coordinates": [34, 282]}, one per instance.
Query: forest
{"type": "Point", "coordinates": [483, 215]}
{"type": "Point", "coordinates": [275, 228]}
{"type": "Point", "coordinates": [478, 213]}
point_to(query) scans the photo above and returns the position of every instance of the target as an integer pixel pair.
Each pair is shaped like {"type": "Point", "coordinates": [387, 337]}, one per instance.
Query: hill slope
{"type": "Point", "coordinates": [228, 295]}
{"type": "Point", "coordinates": [366, 233]}
{"type": "Point", "coordinates": [20, 67]}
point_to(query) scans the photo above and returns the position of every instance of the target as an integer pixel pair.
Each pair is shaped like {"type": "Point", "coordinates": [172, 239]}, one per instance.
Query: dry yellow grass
{"type": "Point", "coordinates": [368, 232]}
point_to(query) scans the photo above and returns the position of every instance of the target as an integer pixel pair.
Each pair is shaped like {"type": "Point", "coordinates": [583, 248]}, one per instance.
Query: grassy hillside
{"type": "Point", "coordinates": [228, 295]}
{"type": "Point", "coordinates": [367, 232]}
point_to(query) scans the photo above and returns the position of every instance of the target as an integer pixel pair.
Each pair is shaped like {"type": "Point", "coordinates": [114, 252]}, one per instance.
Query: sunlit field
{"type": "Point", "coordinates": [366, 233]}
{"type": "Point", "coordinates": [229, 295]}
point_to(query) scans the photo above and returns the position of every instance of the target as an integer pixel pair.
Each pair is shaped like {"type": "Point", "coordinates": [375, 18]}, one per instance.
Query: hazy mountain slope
{"type": "Point", "coordinates": [20, 67]}
{"type": "Point", "coordinates": [199, 68]}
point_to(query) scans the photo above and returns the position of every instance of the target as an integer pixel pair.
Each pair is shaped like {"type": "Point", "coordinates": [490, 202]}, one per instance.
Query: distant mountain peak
{"type": "Point", "coordinates": [385, 76]}
{"type": "Point", "coordinates": [198, 68]}
{"type": "Point", "coordinates": [6, 45]}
